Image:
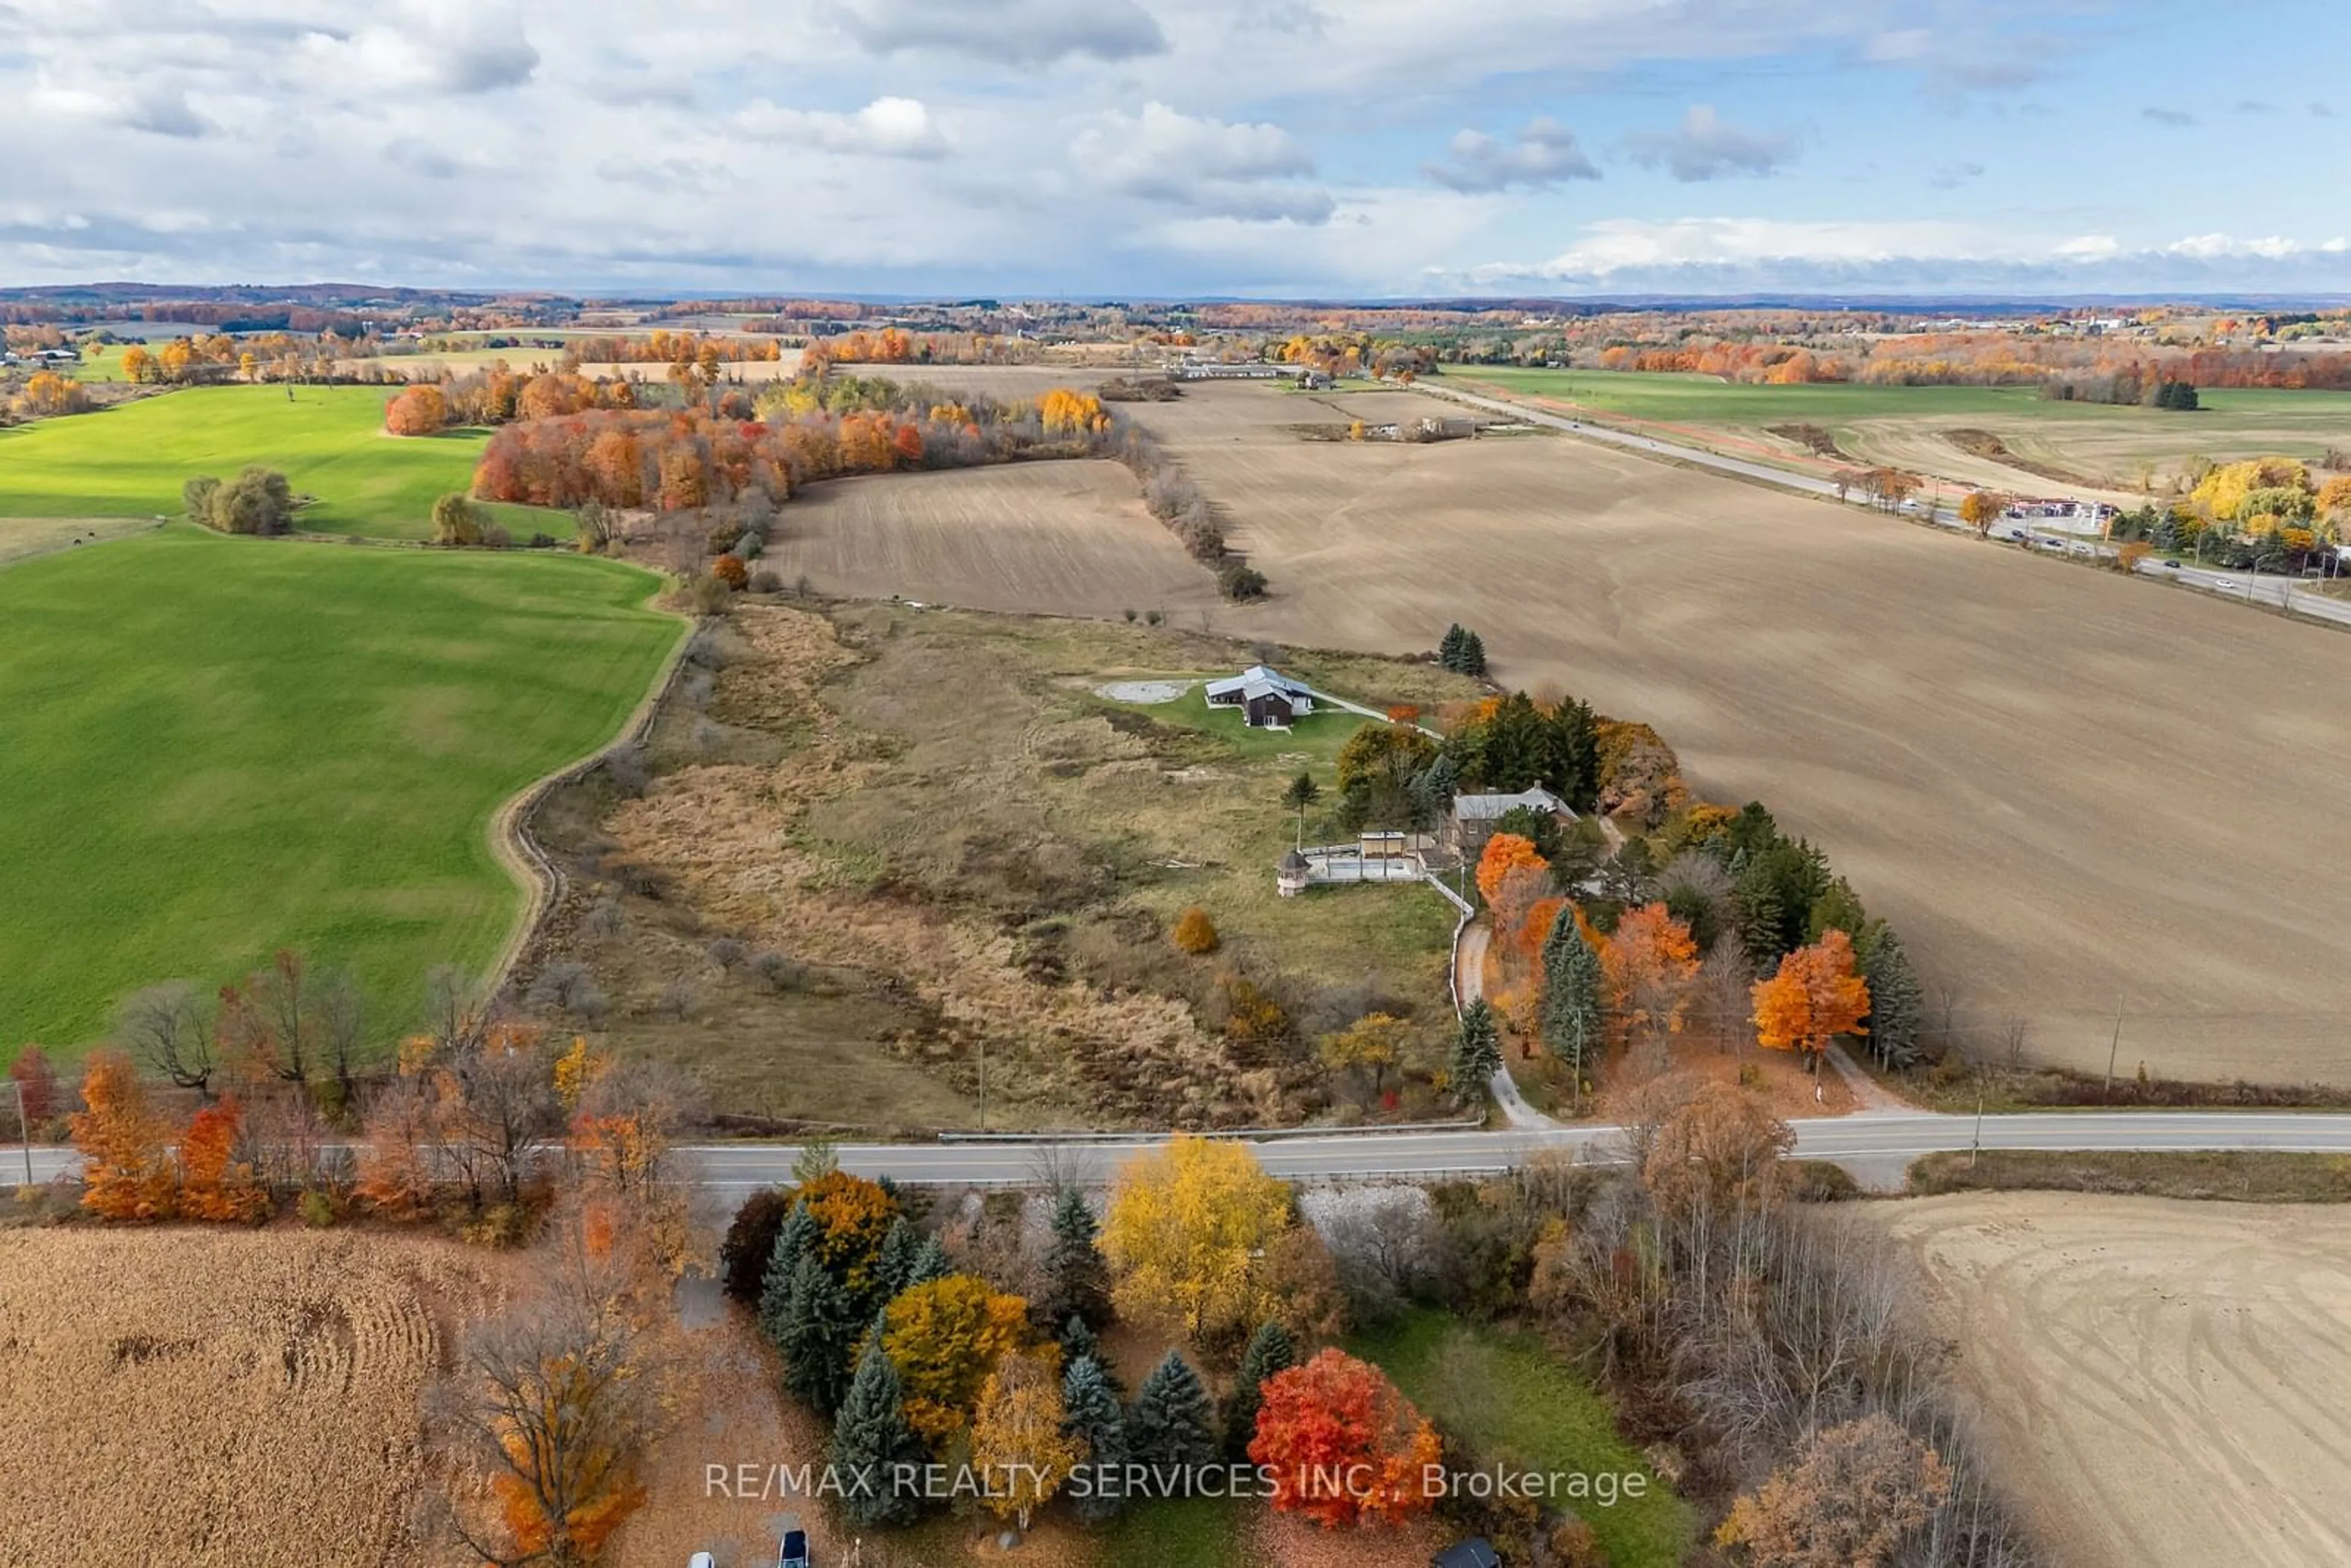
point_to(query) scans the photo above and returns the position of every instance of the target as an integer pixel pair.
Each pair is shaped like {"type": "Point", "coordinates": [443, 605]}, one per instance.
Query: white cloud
{"type": "Point", "coordinates": [450, 46]}
{"type": "Point", "coordinates": [1246, 172]}
{"type": "Point", "coordinates": [2208, 247]}
{"type": "Point", "coordinates": [887, 127]}
{"type": "Point", "coordinates": [2336, 245]}
{"type": "Point", "coordinates": [1619, 245]}
{"type": "Point", "coordinates": [1542, 153]}
{"type": "Point", "coordinates": [1705, 148]}
{"type": "Point", "coordinates": [2086, 247]}
{"type": "Point", "coordinates": [1008, 32]}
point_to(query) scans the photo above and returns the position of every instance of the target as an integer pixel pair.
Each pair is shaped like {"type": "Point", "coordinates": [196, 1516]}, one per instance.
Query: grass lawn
{"type": "Point", "coordinates": [1318, 735]}
{"type": "Point", "coordinates": [1516, 1404]}
{"type": "Point", "coordinates": [328, 441]}
{"type": "Point", "coordinates": [1178, 1532]}
{"type": "Point", "coordinates": [1689, 399]}
{"type": "Point", "coordinates": [216, 748]}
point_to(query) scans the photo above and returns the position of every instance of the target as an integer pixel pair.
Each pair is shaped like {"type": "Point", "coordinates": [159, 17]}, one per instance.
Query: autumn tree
{"type": "Point", "coordinates": [36, 1084]}
{"type": "Point", "coordinates": [556, 1400]}
{"type": "Point", "coordinates": [1649, 962]}
{"type": "Point", "coordinates": [1373, 1045]}
{"type": "Point", "coordinates": [1505, 853]}
{"type": "Point", "coordinates": [1715, 1149]}
{"type": "Point", "coordinates": [1017, 1434]}
{"type": "Point", "coordinates": [422, 410]}
{"type": "Point", "coordinates": [1980, 509]}
{"type": "Point", "coordinates": [215, 1183]}
{"type": "Point", "coordinates": [167, 1026]}
{"type": "Point", "coordinates": [1185, 1227]}
{"type": "Point", "coordinates": [458, 523]}
{"type": "Point", "coordinates": [1854, 1494]}
{"type": "Point", "coordinates": [1344, 1447]}
{"type": "Point", "coordinates": [1814, 997]}
{"type": "Point", "coordinates": [127, 1170]}
{"type": "Point", "coordinates": [946, 1338]}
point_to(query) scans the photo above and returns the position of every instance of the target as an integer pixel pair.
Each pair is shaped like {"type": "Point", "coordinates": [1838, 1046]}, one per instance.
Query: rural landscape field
{"type": "Point", "coordinates": [877, 784]}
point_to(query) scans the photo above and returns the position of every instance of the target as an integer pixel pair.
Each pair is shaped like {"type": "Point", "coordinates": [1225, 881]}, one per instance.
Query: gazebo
{"type": "Point", "coordinates": [1292, 875]}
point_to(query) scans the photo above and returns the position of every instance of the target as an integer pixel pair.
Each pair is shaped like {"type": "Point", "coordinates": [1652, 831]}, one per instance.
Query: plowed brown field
{"type": "Point", "coordinates": [2157, 1384]}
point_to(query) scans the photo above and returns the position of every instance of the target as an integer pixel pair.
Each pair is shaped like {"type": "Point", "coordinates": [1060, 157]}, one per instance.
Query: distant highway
{"type": "Point", "coordinates": [1880, 1142]}
{"type": "Point", "coordinates": [2286, 593]}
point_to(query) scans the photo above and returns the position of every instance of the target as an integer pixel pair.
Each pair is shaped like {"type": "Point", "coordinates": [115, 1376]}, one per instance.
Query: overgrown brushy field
{"type": "Point", "coordinates": [220, 1400]}
{"type": "Point", "coordinates": [327, 441]}
{"type": "Point", "coordinates": [216, 748]}
{"type": "Point", "coordinates": [951, 845]}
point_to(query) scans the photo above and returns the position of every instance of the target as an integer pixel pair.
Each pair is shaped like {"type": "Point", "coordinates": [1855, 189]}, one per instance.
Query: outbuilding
{"type": "Point", "coordinates": [1267, 698]}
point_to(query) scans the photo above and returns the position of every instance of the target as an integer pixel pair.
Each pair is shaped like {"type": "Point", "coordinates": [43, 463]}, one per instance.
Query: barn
{"type": "Point", "coordinates": [1267, 698]}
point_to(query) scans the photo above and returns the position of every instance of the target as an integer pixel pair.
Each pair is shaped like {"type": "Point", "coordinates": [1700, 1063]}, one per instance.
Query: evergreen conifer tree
{"type": "Point", "coordinates": [793, 1241]}
{"type": "Point", "coordinates": [1476, 1054]}
{"type": "Point", "coordinates": [820, 1334]}
{"type": "Point", "coordinates": [1091, 1412]}
{"type": "Point", "coordinates": [931, 1262]}
{"type": "Point", "coordinates": [1172, 1422]}
{"type": "Point", "coordinates": [871, 1438]}
{"type": "Point", "coordinates": [1270, 1350]}
{"type": "Point", "coordinates": [1898, 1002]}
{"type": "Point", "coordinates": [895, 1265]}
{"type": "Point", "coordinates": [1077, 1279]}
{"type": "Point", "coordinates": [1473, 655]}
{"type": "Point", "coordinates": [1572, 1017]}
{"type": "Point", "coordinates": [1448, 647]}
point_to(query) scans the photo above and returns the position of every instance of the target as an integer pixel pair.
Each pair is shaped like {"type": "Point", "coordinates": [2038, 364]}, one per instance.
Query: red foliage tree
{"type": "Point", "coordinates": [1344, 1447]}
{"type": "Point", "coordinates": [38, 1081]}
{"type": "Point", "coordinates": [213, 1183]}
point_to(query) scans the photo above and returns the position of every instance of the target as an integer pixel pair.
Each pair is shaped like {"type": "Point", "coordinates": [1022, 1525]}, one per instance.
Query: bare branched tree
{"type": "Point", "coordinates": [171, 1027]}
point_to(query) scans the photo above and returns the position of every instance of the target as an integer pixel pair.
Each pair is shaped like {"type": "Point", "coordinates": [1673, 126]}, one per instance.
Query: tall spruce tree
{"type": "Point", "coordinates": [1173, 1422]}
{"type": "Point", "coordinates": [794, 1240]}
{"type": "Point", "coordinates": [1270, 1350]}
{"type": "Point", "coordinates": [1473, 655]}
{"type": "Point", "coordinates": [1476, 1054]}
{"type": "Point", "coordinates": [894, 1266]}
{"type": "Point", "coordinates": [1572, 1016]}
{"type": "Point", "coordinates": [931, 1262]}
{"type": "Point", "coordinates": [820, 1335]}
{"type": "Point", "coordinates": [1077, 1279]}
{"type": "Point", "coordinates": [1078, 1342]}
{"type": "Point", "coordinates": [1091, 1412]}
{"type": "Point", "coordinates": [1448, 647]}
{"type": "Point", "coordinates": [872, 1441]}
{"type": "Point", "coordinates": [1898, 1002]}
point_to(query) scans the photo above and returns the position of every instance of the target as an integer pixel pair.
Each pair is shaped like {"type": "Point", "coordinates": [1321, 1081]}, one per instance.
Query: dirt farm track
{"type": "Point", "coordinates": [2164, 1385]}
{"type": "Point", "coordinates": [2068, 790]}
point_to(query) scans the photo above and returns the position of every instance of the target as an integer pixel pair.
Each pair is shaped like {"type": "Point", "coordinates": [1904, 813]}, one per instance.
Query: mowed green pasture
{"type": "Point", "coordinates": [329, 441]}
{"type": "Point", "coordinates": [213, 747]}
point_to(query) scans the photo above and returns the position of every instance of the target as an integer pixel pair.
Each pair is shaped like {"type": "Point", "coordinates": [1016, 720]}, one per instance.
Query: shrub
{"type": "Point", "coordinates": [750, 547]}
{"type": "Point", "coordinates": [706, 593]}
{"type": "Point", "coordinates": [1239, 581]}
{"type": "Point", "coordinates": [726, 952]}
{"type": "Point", "coordinates": [764, 581]}
{"type": "Point", "coordinates": [456, 521]}
{"type": "Point", "coordinates": [730, 571]}
{"type": "Point", "coordinates": [317, 1209]}
{"type": "Point", "coordinates": [1195, 932]}
{"type": "Point", "coordinates": [780, 972]}
{"type": "Point", "coordinates": [541, 541]}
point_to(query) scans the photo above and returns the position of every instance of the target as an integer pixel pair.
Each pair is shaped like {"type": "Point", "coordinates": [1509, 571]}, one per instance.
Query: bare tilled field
{"type": "Point", "coordinates": [207, 1398]}
{"type": "Point", "coordinates": [2158, 1385]}
{"type": "Point", "coordinates": [1068, 539]}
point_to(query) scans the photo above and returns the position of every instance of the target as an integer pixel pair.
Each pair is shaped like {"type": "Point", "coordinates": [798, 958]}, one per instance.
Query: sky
{"type": "Point", "coordinates": [1357, 149]}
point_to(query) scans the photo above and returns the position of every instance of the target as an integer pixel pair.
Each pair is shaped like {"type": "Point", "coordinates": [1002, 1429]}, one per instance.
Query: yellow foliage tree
{"type": "Point", "coordinates": [1016, 1440]}
{"type": "Point", "coordinates": [126, 1158]}
{"type": "Point", "coordinates": [1195, 932]}
{"type": "Point", "coordinates": [1185, 1229]}
{"type": "Point", "coordinates": [946, 1338]}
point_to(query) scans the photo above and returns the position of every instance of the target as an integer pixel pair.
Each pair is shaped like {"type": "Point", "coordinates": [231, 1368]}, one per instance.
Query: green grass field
{"type": "Point", "coordinates": [216, 747]}
{"type": "Point", "coordinates": [1516, 1404]}
{"type": "Point", "coordinates": [329, 441]}
{"type": "Point", "coordinates": [1703, 400]}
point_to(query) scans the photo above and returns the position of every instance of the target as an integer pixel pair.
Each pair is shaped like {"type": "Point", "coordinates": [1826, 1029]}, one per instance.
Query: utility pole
{"type": "Point", "coordinates": [2114, 1046]}
{"type": "Point", "coordinates": [983, 1083]}
{"type": "Point", "coordinates": [25, 1128]}
{"type": "Point", "coordinates": [1975, 1148]}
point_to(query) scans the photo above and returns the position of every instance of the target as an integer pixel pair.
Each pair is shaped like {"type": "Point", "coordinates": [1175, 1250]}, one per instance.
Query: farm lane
{"type": "Point", "coordinates": [1470, 984]}
{"type": "Point", "coordinates": [733, 1170]}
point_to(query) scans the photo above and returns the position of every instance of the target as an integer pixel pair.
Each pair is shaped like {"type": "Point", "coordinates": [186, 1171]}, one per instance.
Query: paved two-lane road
{"type": "Point", "coordinates": [1878, 1144]}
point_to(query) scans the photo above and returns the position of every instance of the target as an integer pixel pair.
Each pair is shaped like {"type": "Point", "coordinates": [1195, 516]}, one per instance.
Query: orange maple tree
{"type": "Point", "coordinates": [1649, 962]}
{"type": "Point", "coordinates": [1344, 1447]}
{"type": "Point", "coordinates": [419, 411]}
{"type": "Point", "coordinates": [1813, 997]}
{"type": "Point", "coordinates": [1504, 854]}
{"type": "Point", "coordinates": [127, 1171]}
{"type": "Point", "coordinates": [213, 1183]}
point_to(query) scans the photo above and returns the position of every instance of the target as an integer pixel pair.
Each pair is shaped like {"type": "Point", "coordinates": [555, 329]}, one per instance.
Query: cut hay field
{"type": "Point", "coordinates": [2063, 787]}
{"type": "Point", "coordinates": [1069, 538]}
{"type": "Point", "coordinates": [2156, 1384]}
{"type": "Point", "coordinates": [130, 462]}
{"type": "Point", "coordinates": [218, 1399]}
{"type": "Point", "coordinates": [2112, 452]}
{"type": "Point", "coordinates": [216, 748]}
